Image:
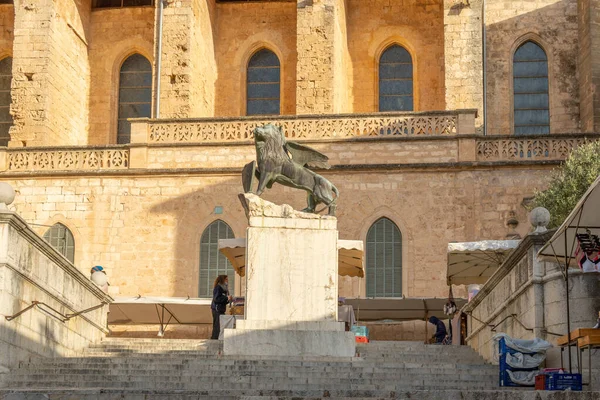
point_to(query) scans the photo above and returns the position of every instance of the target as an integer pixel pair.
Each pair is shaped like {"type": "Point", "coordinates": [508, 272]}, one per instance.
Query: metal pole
{"type": "Point", "coordinates": [568, 308]}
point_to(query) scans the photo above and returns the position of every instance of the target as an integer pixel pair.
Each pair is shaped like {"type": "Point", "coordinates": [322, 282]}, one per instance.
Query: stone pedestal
{"type": "Point", "coordinates": [291, 286]}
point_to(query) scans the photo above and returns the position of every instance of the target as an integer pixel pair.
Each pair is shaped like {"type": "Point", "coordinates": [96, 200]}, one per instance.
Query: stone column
{"type": "Point", "coordinates": [588, 14]}
{"type": "Point", "coordinates": [463, 56]}
{"type": "Point", "coordinates": [323, 73]}
{"type": "Point", "coordinates": [188, 67]}
{"type": "Point", "coordinates": [50, 87]}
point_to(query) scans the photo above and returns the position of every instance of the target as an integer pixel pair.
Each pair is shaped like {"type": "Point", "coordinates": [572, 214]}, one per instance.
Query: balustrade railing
{"type": "Point", "coordinates": [547, 147]}
{"type": "Point", "coordinates": [67, 159]}
{"type": "Point", "coordinates": [439, 123]}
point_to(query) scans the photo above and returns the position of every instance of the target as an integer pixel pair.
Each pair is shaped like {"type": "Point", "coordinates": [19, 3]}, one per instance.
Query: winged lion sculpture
{"type": "Point", "coordinates": [285, 162]}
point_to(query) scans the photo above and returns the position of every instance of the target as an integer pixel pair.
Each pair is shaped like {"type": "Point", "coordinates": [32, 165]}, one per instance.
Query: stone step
{"type": "Point", "coordinates": [251, 394]}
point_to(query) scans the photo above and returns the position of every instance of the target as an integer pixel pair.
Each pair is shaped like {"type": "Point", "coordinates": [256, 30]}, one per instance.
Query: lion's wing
{"type": "Point", "coordinates": [306, 156]}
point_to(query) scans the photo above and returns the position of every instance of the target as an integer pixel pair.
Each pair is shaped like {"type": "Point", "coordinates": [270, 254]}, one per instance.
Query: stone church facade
{"type": "Point", "coordinates": [127, 124]}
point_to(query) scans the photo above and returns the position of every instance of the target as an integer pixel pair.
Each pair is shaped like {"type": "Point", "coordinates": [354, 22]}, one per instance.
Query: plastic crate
{"type": "Point", "coordinates": [505, 367]}
{"type": "Point", "coordinates": [360, 330]}
{"type": "Point", "coordinates": [361, 339]}
{"type": "Point", "coordinates": [564, 382]}
{"type": "Point", "coordinates": [504, 349]}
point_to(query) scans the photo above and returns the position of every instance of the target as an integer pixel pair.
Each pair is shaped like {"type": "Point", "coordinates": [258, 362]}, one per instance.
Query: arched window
{"type": "Point", "coordinates": [530, 83]}
{"type": "Point", "coordinates": [5, 100]}
{"type": "Point", "coordinates": [61, 238]}
{"type": "Point", "coordinates": [384, 260]}
{"type": "Point", "coordinates": [395, 80]}
{"type": "Point", "coordinates": [135, 94]}
{"type": "Point", "coordinates": [212, 262]}
{"type": "Point", "coordinates": [263, 87]}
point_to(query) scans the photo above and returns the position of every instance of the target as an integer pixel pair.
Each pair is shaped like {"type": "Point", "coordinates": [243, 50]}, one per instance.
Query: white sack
{"type": "Point", "coordinates": [525, 378]}
{"type": "Point", "coordinates": [520, 360]}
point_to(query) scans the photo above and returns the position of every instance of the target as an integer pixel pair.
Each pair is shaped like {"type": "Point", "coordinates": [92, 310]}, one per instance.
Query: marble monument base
{"type": "Point", "coordinates": [291, 286]}
{"type": "Point", "coordinates": [289, 342]}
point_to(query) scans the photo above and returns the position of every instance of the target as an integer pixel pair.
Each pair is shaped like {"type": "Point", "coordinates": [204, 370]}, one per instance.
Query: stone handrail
{"type": "Point", "coordinates": [53, 159]}
{"type": "Point", "coordinates": [339, 126]}
{"type": "Point", "coordinates": [546, 147]}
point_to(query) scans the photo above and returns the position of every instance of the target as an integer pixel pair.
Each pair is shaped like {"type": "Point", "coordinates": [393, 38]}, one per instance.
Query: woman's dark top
{"type": "Point", "coordinates": [219, 300]}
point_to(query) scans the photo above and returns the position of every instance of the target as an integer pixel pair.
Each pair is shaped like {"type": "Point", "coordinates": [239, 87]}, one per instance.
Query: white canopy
{"type": "Point", "coordinates": [350, 256]}
{"type": "Point", "coordinates": [159, 310]}
{"type": "Point", "coordinates": [400, 309]}
{"type": "Point", "coordinates": [474, 262]}
{"type": "Point", "coordinates": [585, 216]}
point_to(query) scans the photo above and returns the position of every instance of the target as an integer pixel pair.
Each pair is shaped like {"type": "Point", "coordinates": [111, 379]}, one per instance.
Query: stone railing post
{"type": "Point", "coordinates": [138, 150]}
{"type": "Point", "coordinates": [3, 160]}
{"type": "Point", "coordinates": [465, 121]}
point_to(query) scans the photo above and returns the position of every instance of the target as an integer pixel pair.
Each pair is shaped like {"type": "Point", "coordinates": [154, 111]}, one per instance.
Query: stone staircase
{"type": "Point", "coordinates": [152, 369]}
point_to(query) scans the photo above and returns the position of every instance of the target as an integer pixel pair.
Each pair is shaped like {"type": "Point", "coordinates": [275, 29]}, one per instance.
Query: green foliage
{"type": "Point", "coordinates": [569, 182]}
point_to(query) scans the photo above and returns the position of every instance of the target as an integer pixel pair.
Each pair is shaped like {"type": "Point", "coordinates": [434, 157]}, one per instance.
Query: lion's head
{"type": "Point", "coordinates": [270, 143]}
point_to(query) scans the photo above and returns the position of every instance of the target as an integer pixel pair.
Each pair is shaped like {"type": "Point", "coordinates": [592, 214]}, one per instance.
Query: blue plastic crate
{"type": "Point", "coordinates": [504, 349]}
{"type": "Point", "coordinates": [564, 382]}
{"type": "Point", "coordinates": [360, 330]}
{"type": "Point", "coordinates": [505, 367]}
{"type": "Point", "coordinates": [505, 380]}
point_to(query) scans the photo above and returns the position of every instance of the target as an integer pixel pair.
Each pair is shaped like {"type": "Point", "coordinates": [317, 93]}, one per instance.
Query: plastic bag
{"type": "Point", "coordinates": [525, 378]}
{"type": "Point", "coordinates": [536, 345]}
{"type": "Point", "coordinates": [520, 360]}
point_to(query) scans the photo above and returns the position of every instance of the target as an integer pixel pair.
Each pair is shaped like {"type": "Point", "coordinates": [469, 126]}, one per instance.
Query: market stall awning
{"type": "Point", "coordinates": [474, 262]}
{"type": "Point", "coordinates": [159, 310]}
{"type": "Point", "coordinates": [584, 218]}
{"type": "Point", "coordinates": [400, 309]}
{"type": "Point", "coordinates": [350, 256]}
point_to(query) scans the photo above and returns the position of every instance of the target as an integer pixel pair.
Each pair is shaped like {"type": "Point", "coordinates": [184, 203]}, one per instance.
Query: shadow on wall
{"type": "Point", "coordinates": [555, 28]}
{"type": "Point", "coordinates": [195, 211]}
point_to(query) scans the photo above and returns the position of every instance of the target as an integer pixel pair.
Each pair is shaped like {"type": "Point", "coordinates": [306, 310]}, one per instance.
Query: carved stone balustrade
{"type": "Point", "coordinates": [310, 127]}
{"type": "Point", "coordinates": [67, 159]}
{"type": "Point", "coordinates": [522, 148]}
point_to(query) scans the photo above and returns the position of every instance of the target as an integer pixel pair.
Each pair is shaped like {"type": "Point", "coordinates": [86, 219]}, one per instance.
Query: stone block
{"type": "Point", "coordinates": [288, 343]}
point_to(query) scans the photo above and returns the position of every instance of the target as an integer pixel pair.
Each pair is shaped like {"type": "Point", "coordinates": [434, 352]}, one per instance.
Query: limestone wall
{"type": "Point", "coordinates": [31, 270]}
{"type": "Point", "coordinates": [51, 73]}
{"type": "Point", "coordinates": [588, 15]}
{"type": "Point", "coordinates": [534, 291]}
{"type": "Point", "coordinates": [115, 34]}
{"type": "Point", "coordinates": [553, 25]}
{"type": "Point", "coordinates": [145, 228]}
{"type": "Point", "coordinates": [373, 25]}
{"type": "Point", "coordinates": [242, 29]}
{"type": "Point", "coordinates": [7, 26]}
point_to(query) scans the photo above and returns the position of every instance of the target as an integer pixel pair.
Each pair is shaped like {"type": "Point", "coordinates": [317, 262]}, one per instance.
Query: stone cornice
{"type": "Point", "coordinates": [414, 167]}
{"type": "Point", "coordinates": [15, 221]}
{"type": "Point", "coordinates": [507, 266]}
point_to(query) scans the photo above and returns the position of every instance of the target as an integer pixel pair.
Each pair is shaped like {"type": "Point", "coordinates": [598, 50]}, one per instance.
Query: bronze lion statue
{"type": "Point", "coordinates": [284, 162]}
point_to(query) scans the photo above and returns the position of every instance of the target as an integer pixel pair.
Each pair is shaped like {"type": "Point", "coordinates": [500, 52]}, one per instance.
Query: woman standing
{"type": "Point", "coordinates": [219, 303]}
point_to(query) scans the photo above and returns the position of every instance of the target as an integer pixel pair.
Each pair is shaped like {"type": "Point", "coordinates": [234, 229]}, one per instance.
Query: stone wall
{"type": "Point", "coordinates": [534, 291]}
{"type": "Point", "coordinates": [7, 26]}
{"type": "Point", "coordinates": [588, 14]}
{"type": "Point", "coordinates": [463, 59]}
{"type": "Point", "coordinates": [132, 222]}
{"type": "Point", "coordinates": [554, 26]}
{"type": "Point", "coordinates": [51, 80]}
{"type": "Point", "coordinates": [115, 34]}
{"type": "Point", "coordinates": [31, 270]}
{"type": "Point", "coordinates": [243, 29]}
{"type": "Point", "coordinates": [373, 25]}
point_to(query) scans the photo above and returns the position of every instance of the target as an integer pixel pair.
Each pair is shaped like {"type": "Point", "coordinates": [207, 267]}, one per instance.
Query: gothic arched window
{"type": "Point", "coordinates": [384, 260]}
{"type": "Point", "coordinates": [395, 80]}
{"type": "Point", "coordinates": [212, 262]}
{"type": "Point", "coordinates": [135, 94]}
{"type": "Point", "coordinates": [263, 84]}
{"type": "Point", "coordinates": [530, 83]}
{"type": "Point", "coordinates": [5, 99]}
{"type": "Point", "coordinates": [61, 238]}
